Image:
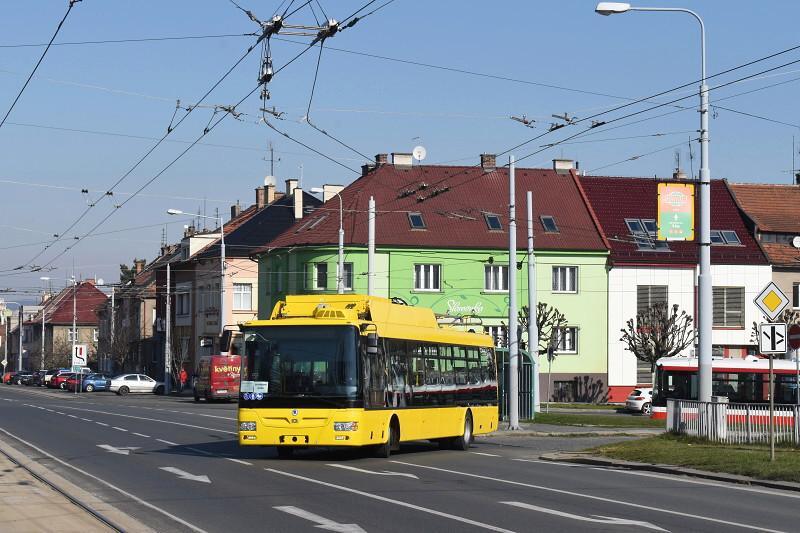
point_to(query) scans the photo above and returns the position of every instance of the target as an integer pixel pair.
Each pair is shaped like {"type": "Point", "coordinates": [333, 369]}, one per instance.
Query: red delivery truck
{"type": "Point", "coordinates": [217, 377]}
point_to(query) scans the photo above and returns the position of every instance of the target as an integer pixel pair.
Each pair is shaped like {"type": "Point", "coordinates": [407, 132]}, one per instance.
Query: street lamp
{"type": "Point", "coordinates": [43, 278]}
{"type": "Point", "coordinates": [340, 268]}
{"type": "Point", "coordinates": [704, 282]}
{"type": "Point", "coordinates": [221, 263]}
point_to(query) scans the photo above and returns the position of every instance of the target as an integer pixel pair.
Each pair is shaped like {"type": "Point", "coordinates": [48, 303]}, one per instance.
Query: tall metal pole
{"type": "Point", "coordinates": [168, 336]}
{"type": "Point", "coordinates": [533, 328]}
{"type": "Point", "coordinates": [19, 359]}
{"type": "Point", "coordinates": [79, 381]}
{"type": "Point", "coordinates": [41, 366]}
{"type": "Point", "coordinates": [113, 317]}
{"type": "Point", "coordinates": [371, 248]}
{"type": "Point", "coordinates": [340, 272]}
{"type": "Point", "coordinates": [513, 345]}
{"type": "Point", "coordinates": [222, 278]}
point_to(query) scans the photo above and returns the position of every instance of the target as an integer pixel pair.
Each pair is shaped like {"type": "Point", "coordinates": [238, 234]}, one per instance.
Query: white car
{"type": "Point", "coordinates": [640, 400]}
{"type": "Point", "coordinates": [125, 383]}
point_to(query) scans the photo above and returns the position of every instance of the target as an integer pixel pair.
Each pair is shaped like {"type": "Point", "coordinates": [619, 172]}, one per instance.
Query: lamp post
{"type": "Point", "coordinates": [43, 278]}
{"type": "Point", "coordinates": [704, 282]}
{"type": "Point", "coordinates": [340, 264]}
{"type": "Point", "coordinates": [221, 264]}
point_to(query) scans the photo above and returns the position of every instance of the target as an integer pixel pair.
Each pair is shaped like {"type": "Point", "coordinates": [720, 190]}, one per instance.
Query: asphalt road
{"type": "Point", "coordinates": [175, 465]}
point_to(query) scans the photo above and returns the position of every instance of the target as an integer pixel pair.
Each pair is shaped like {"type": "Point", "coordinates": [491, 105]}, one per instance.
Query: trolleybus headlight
{"type": "Point", "coordinates": [345, 426]}
{"type": "Point", "coordinates": [247, 426]}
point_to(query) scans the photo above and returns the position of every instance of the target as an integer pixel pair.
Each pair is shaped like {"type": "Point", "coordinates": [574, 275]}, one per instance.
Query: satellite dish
{"type": "Point", "coordinates": [419, 153]}
{"type": "Point", "coordinates": [100, 281]}
{"type": "Point", "coordinates": [796, 242]}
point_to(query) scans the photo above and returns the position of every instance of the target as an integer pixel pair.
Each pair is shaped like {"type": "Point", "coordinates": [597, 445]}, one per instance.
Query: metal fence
{"type": "Point", "coordinates": [525, 383]}
{"type": "Point", "coordinates": [733, 423]}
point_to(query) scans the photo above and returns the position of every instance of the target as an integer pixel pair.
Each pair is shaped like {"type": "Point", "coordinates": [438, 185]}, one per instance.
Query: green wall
{"type": "Point", "coordinates": [462, 282]}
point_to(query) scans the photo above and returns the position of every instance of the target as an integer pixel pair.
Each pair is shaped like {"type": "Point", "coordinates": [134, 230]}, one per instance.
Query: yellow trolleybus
{"type": "Point", "coordinates": [355, 370]}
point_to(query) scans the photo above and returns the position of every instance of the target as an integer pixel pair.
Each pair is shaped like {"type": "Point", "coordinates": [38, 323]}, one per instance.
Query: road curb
{"type": "Point", "coordinates": [90, 504]}
{"type": "Point", "coordinates": [595, 460]}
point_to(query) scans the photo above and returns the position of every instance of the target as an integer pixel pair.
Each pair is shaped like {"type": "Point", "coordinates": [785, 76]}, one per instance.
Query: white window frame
{"type": "Point", "coordinates": [568, 338]}
{"type": "Point", "coordinates": [347, 276]}
{"type": "Point", "coordinates": [796, 295]}
{"type": "Point", "coordinates": [312, 271]}
{"type": "Point", "coordinates": [499, 334]}
{"type": "Point", "coordinates": [240, 292]}
{"type": "Point", "coordinates": [95, 334]}
{"type": "Point", "coordinates": [556, 285]}
{"type": "Point", "coordinates": [495, 278]}
{"type": "Point", "coordinates": [427, 277]}
{"type": "Point", "coordinates": [182, 303]}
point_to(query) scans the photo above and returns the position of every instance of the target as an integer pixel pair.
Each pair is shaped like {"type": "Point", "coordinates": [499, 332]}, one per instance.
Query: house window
{"type": "Point", "coordinates": [725, 238]}
{"type": "Point", "coordinates": [347, 277]}
{"type": "Point", "coordinates": [643, 232]}
{"type": "Point", "coordinates": [493, 222]}
{"type": "Point", "coordinates": [427, 277]}
{"type": "Point", "coordinates": [499, 334]}
{"type": "Point", "coordinates": [242, 296]}
{"type": "Point", "coordinates": [72, 336]}
{"type": "Point", "coordinates": [566, 340]}
{"type": "Point", "coordinates": [317, 276]}
{"type": "Point", "coordinates": [549, 224]}
{"type": "Point", "coordinates": [796, 295]}
{"type": "Point", "coordinates": [730, 237]}
{"type": "Point", "coordinates": [565, 279]}
{"type": "Point", "coordinates": [416, 221]}
{"type": "Point", "coordinates": [495, 278]}
{"type": "Point", "coordinates": [95, 335]}
{"type": "Point", "coordinates": [729, 307]}
{"type": "Point", "coordinates": [182, 303]}
{"type": "Point", "coordinates": [650, 295]}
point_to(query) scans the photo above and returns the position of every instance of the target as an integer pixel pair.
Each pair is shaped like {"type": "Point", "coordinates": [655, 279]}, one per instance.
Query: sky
{"type": "Point", "coordinates": [93, 110]}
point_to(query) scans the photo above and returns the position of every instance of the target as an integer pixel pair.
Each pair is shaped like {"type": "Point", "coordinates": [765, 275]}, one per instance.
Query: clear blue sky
{"type": "Point", "coordinates": [372, 104]}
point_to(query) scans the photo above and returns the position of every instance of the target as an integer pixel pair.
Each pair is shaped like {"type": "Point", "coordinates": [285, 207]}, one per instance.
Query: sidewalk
{"type": "Point", "coordinates": [28, 504]}
{"type": "Point", "coordinates": [555, 430]}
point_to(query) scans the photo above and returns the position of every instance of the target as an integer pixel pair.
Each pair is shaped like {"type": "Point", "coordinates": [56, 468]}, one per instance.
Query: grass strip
{"type": "Point", "coordinates": [690, 452]}
{"type": "Point", "coordinates": [603, 421]}
{"type": "Point", "coordinates": [588, 406]}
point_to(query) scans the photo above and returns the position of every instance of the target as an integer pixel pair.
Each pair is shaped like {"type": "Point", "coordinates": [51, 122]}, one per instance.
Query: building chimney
{"type": "Point", "coordinates": [139, 265]}
{"type": "Point", "coordinates": [366, 169]}
{"type": "Point", "coordinates": [563, 166]}
{"type": "Point", "coordinates": [297, 196]}
{"type": "Point", "coordinates": [797, 178]}
{"type": "Point", "coordinates": [678, 174]}
{"type": "Point", "coordinates": [330, 191]}
{"type": "Point", "coordinates": [381, 159]}
{"type": "Point", "coordinates": [291, 185]}
{"type": "Point", "coordinates": [402, 159]}
{"type": "Point", "coordinates": [261, 197]}
{"type": "Point", "coordinates": [488, 162]}
{"type": "Point", "coordinates": [189, 230]}
{"type": "Point", "coordinates": [236, 210]}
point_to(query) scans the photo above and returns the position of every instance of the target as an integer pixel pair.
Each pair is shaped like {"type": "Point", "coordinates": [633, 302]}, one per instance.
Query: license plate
{"type": "Point", "coordinates": [223, 391]}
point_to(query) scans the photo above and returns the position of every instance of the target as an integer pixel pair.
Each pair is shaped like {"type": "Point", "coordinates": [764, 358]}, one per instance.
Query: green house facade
{"type": "Point", "coordinates": [449, 251]}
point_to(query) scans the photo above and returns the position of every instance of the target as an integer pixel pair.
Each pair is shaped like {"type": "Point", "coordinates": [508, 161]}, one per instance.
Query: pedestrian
{"type": "Point", "coordinates": [183, 377]}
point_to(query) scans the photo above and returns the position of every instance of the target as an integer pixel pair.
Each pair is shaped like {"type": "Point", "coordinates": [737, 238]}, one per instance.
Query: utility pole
{"type": "Point", "coordinates": [533, 309]}
{"type": "Point", "coordinates": [168, 337]}
{"type": "Point", "coordinates": [111, 336]}
{"type": "Point", "coordinates": [19, 359]}
{"type": "Point", "coordinates": [371, 248]}
{"type": "Point", "coordinates": [513, 344]}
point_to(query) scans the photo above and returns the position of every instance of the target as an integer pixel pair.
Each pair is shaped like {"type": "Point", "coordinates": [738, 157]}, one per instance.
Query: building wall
{"type": "Point", "coordinates": [462, 292]}
{"type": "Point", "coordinates": [786, 279]}
{"type": "Point", "coordinates": [681, 290]}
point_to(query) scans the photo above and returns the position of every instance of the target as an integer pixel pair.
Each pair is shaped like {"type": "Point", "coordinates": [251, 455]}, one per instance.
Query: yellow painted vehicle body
{"type": "Point", "coordinates": [426, 381]}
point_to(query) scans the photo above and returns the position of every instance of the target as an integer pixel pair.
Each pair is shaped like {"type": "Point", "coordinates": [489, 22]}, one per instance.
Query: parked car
{"type": "Point", "coordinates": [25, 378]}
{"type": "Point", "coordinates": [38, 378]}
{"type": "Point", "coordinates": [59, 381]}
{"type": "Point", "coordinates": [53, 372]}
{"type": "Point", "coordinates": [125, 383]}
{"type": "Point", "coordinates": [640, 400]}
{"type": "Point", "coordinates": [7, 377]}
{"type": "Point", "coordinates": [90, 382]}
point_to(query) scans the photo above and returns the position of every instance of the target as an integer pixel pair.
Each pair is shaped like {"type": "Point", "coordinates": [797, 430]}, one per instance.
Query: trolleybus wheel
{"type": "Point", "coordinates": [392, 440]}
{"type": "Point", "coordinates": [463, 442]}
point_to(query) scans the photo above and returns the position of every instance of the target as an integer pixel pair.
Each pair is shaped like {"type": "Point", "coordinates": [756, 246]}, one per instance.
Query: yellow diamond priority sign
{"type": "Point", "coordinates": [771, 301]}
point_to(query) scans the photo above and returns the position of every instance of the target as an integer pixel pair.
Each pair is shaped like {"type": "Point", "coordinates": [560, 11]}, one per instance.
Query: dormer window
{"type": "Point", "coordinates": [725, 237]}
{"type": "Point", "coordinates": [549, 224]}
{"type": "Point", "coordinates": [643, 232]}
{"type": "Point", "coordinates": [493, 222]}
{"type": "Point", "coordinates": [416, 221]}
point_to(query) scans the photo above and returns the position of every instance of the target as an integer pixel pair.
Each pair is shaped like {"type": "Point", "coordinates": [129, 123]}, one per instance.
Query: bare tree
{"type": "Point", "coordinates": [658, 331]}
{"type": "Point", "coordinates": [121, 346]}
{"type": "Point", "coordinates": [180, 356]}
{"type": "Point", "coordinates": [550, 323]}
{"type": "Point", "coordinates": [61, 356]}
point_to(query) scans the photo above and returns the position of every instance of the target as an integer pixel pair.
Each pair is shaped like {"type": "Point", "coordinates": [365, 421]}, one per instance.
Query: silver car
{"type": "Point", "coordinates": [125, 383]}
{"type": "Point", "coordinates": [640, 400]}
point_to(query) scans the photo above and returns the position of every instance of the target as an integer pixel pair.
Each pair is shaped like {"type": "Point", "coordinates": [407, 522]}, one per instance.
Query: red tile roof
{"type": "Point", "coordinates": [452, 201]}
{"type": "Point", "coordinates": [615, 199]}
{"type": "Point", "coordinates": [772, 207]}
{"type": "Point", "coordinates": [58, 309]}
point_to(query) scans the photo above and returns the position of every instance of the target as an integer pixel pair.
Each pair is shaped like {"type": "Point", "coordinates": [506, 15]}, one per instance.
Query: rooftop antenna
{"type": "Point", "coordinates": [164, 236]}
{"type": "Point", "coordinates": [419, 153]}
{"type": "Point", "coordinates": [300, 180]}
{"type": "Point", "coordinates": [794, 167]}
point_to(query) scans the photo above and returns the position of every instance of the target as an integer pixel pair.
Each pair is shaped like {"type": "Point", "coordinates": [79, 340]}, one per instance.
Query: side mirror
{"type": "Point", "coordinates": [372, 344]}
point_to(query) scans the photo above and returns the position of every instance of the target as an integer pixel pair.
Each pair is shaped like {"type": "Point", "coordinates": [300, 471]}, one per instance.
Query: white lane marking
{"type": "Point", "coordinates": [101, 424]}
{"type": "Point", "coordinates": [393, 501]}
{"type": "Point", "coordinates": [321, 521]}
{"type": "Point", "coordinates": [60, 413]}
{"type": "Point", "coordinates": [604, 520]}
{"type": "Point", "coordinates": [363, 471]}
{"type": "Point", "coordinates": [239, 461]}
{"type": "Point", "coordinates": [96, 479]}
{"type": "Point", "coordinates": [590, 497]}
{"type": "Point", "coordinates": [141, 435]}
{"type": "Point", "coordinates": [570, 465]}
{"type": "Point", "coordinates": [118, 429]}
{"type": "Point", "coordinates": [168, 443]}
{"type": "Point", "coordinates": [122, 450]}
{"type": "Point", "coordinates": [185, 475]}
{"type": "Point", "coordinates": [87, 420]}
{"type": "Point", "coordinates": [485, 454]}
{"type": "Point", "coordinates": [155, 420]}
{"type": "Point", "coordinates": [717, 484]}
{"type": "Point", "coordinates": [72, 416]}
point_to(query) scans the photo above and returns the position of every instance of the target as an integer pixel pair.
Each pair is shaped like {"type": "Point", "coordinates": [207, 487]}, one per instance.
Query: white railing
{"type": "Point", "coordinates": [733, 423]}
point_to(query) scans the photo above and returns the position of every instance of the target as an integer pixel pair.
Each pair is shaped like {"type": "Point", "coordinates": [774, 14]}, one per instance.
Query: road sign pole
{"type": "Point", "coordinates": [771, 411]}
